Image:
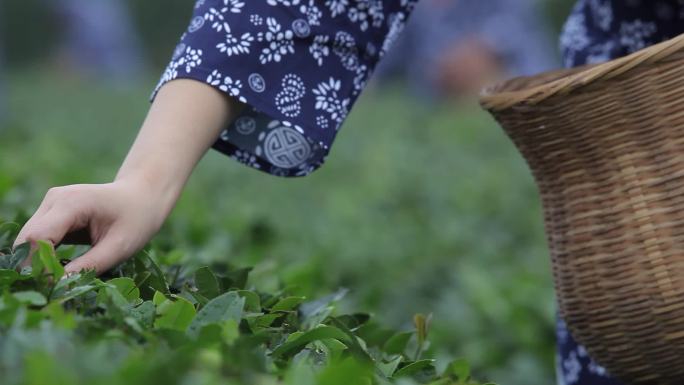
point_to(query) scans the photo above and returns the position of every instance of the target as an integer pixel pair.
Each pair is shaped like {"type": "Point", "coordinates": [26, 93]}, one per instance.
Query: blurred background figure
{"type": "Point", "coordinates": [99, 39]}
{"type": "Point", "coordinates": [452, 48]}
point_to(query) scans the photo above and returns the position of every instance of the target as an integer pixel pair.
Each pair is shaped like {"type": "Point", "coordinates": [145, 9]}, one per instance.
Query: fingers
{"type": "Point", "coordinates": [55, 216]}
{"type": "Point", "coordinates": [51, 226]}
{"type": "Point", "coordinates": [104, 255]}
{"type": "Point", "coordinates": [78, 237]}
{"type": "Point", "coordinates": [108, 215]}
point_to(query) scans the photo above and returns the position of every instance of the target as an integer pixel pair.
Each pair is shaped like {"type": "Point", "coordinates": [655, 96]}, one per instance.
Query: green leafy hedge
{"type": "Point", "coordinates": [150, 323]}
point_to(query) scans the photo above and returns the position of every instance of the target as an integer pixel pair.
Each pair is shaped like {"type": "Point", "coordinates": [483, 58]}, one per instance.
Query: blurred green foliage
{"type": "Point", "coordinates": [158, 23]}
{"type": "Point", "coordinates": [418, 210]}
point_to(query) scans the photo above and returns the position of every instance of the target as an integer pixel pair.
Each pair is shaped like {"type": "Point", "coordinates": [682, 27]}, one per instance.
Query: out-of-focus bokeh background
{"type": "Point", "coordinates": [423, 205]}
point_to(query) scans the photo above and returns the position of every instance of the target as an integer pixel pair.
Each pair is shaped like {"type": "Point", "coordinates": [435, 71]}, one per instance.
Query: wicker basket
{"type": "Point", "coordinates": [606, 146]}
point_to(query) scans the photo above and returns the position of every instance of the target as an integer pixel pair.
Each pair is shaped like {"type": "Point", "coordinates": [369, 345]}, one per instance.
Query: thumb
{"type": "Point", "coordinates": [50, 226]}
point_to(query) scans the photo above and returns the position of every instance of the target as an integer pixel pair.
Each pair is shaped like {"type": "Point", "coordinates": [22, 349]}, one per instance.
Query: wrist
{"type": "Point", "coordinates": [154, 185]}
{"type": "Point", "coordinates": [185, 119]}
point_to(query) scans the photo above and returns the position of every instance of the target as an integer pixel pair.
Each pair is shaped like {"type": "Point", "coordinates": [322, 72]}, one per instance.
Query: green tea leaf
{"type": "Point", "coordinates": [157, 279]}
{"type": "Point", "coordinates": [7, 278]}
{"type": "Point", "coordinates": [230, 331]}
{"type": "Point", "coordinates": [12, 261]}
{"type": "Point", "coordinates": [65, 253]}
{"type": "Point", "coordinates": [313, 308]}
{"type": "Point", "coordinates": [46, 253]}
{"type": "Point", "coordinates": [206, 282]}
{"type": "Point", "coordinates": [266, 320]}
{"type": "Point", "coordinates": [225, 307]}
{"type": "Point", "coordinates": [236, 279]}
{"type": "Point", "coordinates": [209, 335]}
{"type": "Point", "coordinates": [252, 300]}
{"type": "Point", "coordinates": [374, 334]}
{"type": "Point", "coordinates": [414, 368]}
{"type": "Point", "coordinates": [76, 292]}
{"type": "Point", "coordinates": [397, 343]}
{"type": "Point", "coordinates": [159, 298]}
{"type": "Point", "coordinates": [175, 315]}
{"type": "Point", "coordinates": [127, 288]}
{"type": "Point", "coordinates": [287, 303]}
{"type": "Point", "coordinates": [388, 368]}
{"type": "Point", "coordinates": [30, 297]}
{"type": "Point", "coordinates": [334, 347]}
{"type": "Point", "coordinates": [317, 334]}
{"type": "Point", "coordinates": [73, 281]}
{"type": "Point", "coordinates": [144, 314]}
{"type": "Point", "coordinates": [37, 267]}
{"type": "Point", "coordinates": [353, 321]}
{"type": "Point", "coordinates": [118, 307]}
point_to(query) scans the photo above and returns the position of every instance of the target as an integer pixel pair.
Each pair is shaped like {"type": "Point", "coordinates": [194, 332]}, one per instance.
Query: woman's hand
{"type": "Point", "coordinates": [120, 217]}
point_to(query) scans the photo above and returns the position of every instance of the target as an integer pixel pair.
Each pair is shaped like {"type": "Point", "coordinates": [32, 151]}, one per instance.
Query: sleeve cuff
{"type": "Point", "coordinates": [298, 68]}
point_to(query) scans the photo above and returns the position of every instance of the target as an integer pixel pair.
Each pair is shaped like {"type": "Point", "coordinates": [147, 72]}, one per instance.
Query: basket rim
{"type": "Point", "coordinates": [498, 97]}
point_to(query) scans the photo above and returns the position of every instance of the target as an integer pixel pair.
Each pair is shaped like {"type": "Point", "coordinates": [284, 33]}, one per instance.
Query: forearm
{"type": "Point", "coordinates": [119, 218]}
{"type": "Point", "coordinates": [183, 122]}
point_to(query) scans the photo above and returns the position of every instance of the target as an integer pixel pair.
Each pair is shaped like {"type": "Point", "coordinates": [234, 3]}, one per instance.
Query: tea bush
{"type": "Point", "coordinates": [148, 322]}
{"type": "Point", "coordinates": [418, 210]}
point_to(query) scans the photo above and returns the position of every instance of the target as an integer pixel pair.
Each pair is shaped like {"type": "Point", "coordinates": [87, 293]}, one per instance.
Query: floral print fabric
{"type": "Point", "coordinates": [598, 31]}
{"type": "Point", "coordinates": [298, 65]}
{"type": "Point", "coordinates": [574, 366]}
